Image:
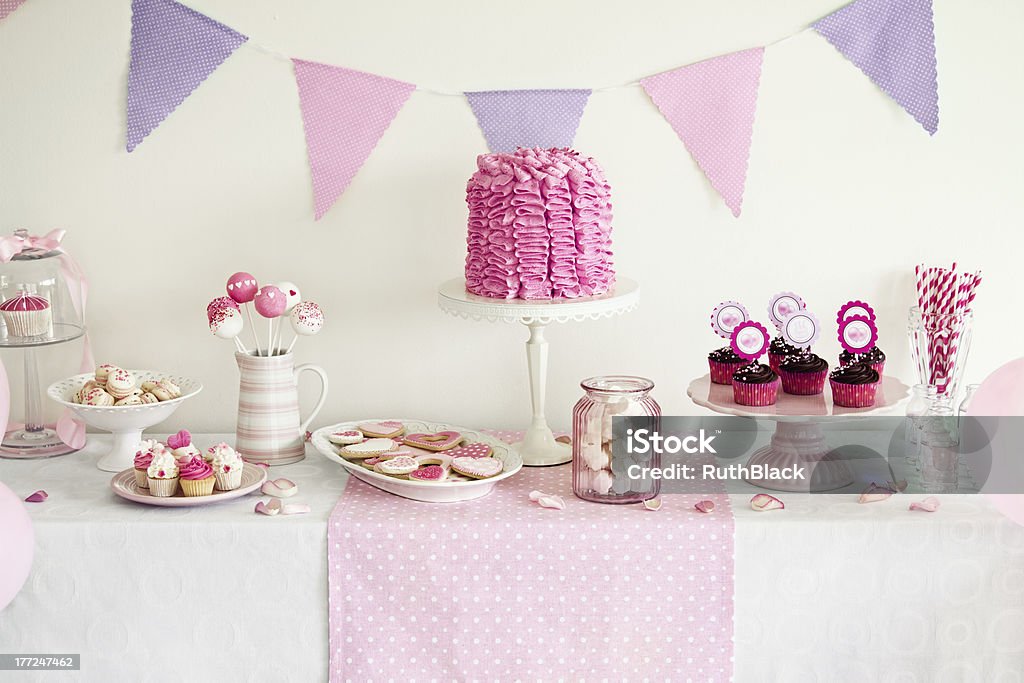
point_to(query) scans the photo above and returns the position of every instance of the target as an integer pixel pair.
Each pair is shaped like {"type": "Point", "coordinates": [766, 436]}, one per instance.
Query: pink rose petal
{"type": "Point", "coordinates": [705, 506]}
{"type": "Point", "coordinates": [270, 509]}
{"type": "Point", "coordinates": [279, 488]}
{"type": "Point", "coordinates": [899, 486]}
{"type": "Point", "coordinates": [257, 464]}
{"type": "Point", "coordinates": [762, 502]}
{"type": "Point", "coordinates": [37, 497]}
{"type": "Point", "coordinates": [653, 504]}
{"type": "Point", "coordinates": [874, 493]}
{"type": "Point", "coordinates": [295, 509]}
{"type": "Point", "coordinates": [554, 502]}
{"type": "Point", "coordinates": [536, 495]}
{"type": "Point", "coordinates": [929, 504]}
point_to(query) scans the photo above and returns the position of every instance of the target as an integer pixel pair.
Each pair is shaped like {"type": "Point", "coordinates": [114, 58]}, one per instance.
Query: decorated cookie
{"type": "Point", "coordinates": [345, 437]}
{"type": "Point", "coordinates": [397, 467]}
{"type": "Point", "coordinates": [389, 428]}
{"type": "Point", "coordinates": [441, 441]}
{"type": "Point", "coordinates": [429, 473]}
{"type": "Point", "coordinates": [442, 459]}
{"type": "Point", "coordinates": [368, 448]}
{"type": "Point", "coordinates": [477, 468]}
{"type": "Point", "coordinates": [477, 449]}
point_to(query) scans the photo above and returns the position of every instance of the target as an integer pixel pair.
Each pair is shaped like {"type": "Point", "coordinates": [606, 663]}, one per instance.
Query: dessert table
{"type": "Point", "coordinates": [827, 589]}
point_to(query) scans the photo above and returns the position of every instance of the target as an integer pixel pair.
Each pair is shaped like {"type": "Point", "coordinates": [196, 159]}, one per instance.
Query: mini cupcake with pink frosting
{"type": "Point", "coordinates": [162, 474]}
{"type": "Point", "coordinates": [197, 477]}
{"type": "Point", "coordinates": [143, 459]}
{"type": "Point", "coordinates": [227, 466]}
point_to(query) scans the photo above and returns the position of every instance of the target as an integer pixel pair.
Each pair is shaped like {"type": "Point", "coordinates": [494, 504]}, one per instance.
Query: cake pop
{"type": "Point", "coordinates": [307, 319]}
{"type": "Point", "coordinates": [270, 302]}
{"type": "Point", "coordinates": [242, 289]}
{"type": "Point", "coordinates": [226, 323]}
{"type": "Point", "coordinates": [218, 303]}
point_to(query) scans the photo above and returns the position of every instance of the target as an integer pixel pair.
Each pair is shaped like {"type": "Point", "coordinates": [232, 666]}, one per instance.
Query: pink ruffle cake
{"type": "Point", "coordinates": [540, 224]}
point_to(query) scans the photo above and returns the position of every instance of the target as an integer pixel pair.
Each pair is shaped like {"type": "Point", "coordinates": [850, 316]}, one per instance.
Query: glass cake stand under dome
{"type": "Point", "coordinates": [538, 447]}
{"type": "Point", "coordinates": [38, 272]}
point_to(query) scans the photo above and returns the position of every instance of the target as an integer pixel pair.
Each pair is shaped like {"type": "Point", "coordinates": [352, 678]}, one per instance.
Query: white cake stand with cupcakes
{"type": "Point", "coordinates": [538, 447]}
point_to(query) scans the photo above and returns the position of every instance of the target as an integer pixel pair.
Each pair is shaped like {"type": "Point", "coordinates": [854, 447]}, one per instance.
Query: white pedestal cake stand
{"type": "Point", "coordinates": [538, 447]}
{"type": "Point", "coordinates": [798, 437]}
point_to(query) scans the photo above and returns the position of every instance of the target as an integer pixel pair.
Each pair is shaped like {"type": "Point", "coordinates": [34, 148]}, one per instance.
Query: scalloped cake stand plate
{"type": "Point", "coordinates": [123, 484]}
{"type": "Point", "coordinates": [455, 489]}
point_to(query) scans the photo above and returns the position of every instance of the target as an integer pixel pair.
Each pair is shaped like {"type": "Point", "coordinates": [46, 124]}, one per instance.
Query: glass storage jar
{"type": "Point", "coordinates": [598, 475]}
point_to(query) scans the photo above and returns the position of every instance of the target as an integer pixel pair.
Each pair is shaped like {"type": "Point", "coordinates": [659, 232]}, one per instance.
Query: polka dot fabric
{"type": "Point", "coordinates": [344, 112]}
{"type": "Point", "coordinates": [711, 106]}
{"type": "Point", "coordinates": [8, 6]}
{"type": "Point", "coordinates": [502, 589]}
{"type": "Point", "coordinates": [528, 118]}
{"type": "Point", "coordinates": [893, 43]}
{"type": "Point", "coordinates": [174, 49]}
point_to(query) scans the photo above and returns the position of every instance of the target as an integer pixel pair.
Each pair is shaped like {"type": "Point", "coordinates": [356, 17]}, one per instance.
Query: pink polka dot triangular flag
{"type": "Point", "coordinates": [8, 6]}
{"type": "Point", "coordinates": [711, 106]}
{"type": "Point", "coordinates": [174, 49]}
{"type": "Point", "coordinates": [344, 112]}
{"type": "Point", "coordinates": [893, 43]}
{"type": "Point", "coordinates": [528, 118]}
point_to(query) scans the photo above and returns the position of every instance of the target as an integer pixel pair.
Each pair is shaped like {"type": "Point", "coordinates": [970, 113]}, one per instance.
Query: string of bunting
{"type": "Point", "coordinates": [710, 104]}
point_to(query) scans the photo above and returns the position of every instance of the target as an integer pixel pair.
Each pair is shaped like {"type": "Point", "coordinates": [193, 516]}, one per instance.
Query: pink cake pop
{"type": "Point", "coordinates": [242, 287]}
{"type": "Point", "coordinates": [226, 323]}
{"type": "Point", "coordinates": [292, 295]}
{"type": "Point", "coordinates": [219, 303]}
{"type": "Point", "coordinates": [270, 302]}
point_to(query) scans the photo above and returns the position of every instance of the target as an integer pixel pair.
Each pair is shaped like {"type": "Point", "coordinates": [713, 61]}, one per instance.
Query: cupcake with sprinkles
{"type": "Point", "coordinates": [723, 362]}
{"type": "Point", "coordinates": [873, 356]}
{"type": "Point", "coordinates": [802, 373]}
{"type": "Point", "coordinates": [780, 306]}
{"type": "Point", "coordinates": [855, 385]}
{"type": "Point", "coordinates": [753, 384]}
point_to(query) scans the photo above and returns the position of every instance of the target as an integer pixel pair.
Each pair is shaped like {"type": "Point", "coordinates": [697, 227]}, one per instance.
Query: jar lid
{"type": "Point", "coordinates": [617, 385]}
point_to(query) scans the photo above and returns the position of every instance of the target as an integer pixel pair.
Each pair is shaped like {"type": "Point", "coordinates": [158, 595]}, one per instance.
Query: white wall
{"type": "Point", "coordinates": [845, 191]}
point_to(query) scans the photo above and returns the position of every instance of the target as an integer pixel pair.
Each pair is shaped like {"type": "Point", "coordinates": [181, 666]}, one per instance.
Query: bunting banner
{"type": "Point", "coordinates": [8, 6]}
{"type": "Point", "coordinates": [344, 113]}
{"type": "Point", "coordinates": [528, 118]}
{"type": "Point", "coordinates": [711, 106]}
{"type": "Point", "coordinates": [174, 49]}
{"type": "Point", "coordinates": [893, 43]}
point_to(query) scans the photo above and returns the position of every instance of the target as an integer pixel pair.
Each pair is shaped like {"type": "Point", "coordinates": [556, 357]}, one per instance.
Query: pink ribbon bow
{"type": "Point", "coordinates": [11, 245]}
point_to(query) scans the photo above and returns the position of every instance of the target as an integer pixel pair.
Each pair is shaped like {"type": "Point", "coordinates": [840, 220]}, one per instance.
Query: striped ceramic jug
{"type": "Point", "coordinates": [269, 427]}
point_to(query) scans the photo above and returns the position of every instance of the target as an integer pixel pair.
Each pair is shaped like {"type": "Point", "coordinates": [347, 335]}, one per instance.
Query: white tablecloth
{"type": "Point", "coordinates": [826, 590]}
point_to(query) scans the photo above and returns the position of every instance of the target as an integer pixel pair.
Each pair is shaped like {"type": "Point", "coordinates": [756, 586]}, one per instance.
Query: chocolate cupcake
{"type": "Point", "coordinates": [854, 385]}
{"type": "Point", "coordinates": [803, 374]}
{"type": "Point", "coordinates": [755, 384]}
{"type": "Point", "coordinates": [723, 362]}
{"type": "Point", "coordinates": [779, 349]}
{"type": "Point", "coordinates": [874, 357]}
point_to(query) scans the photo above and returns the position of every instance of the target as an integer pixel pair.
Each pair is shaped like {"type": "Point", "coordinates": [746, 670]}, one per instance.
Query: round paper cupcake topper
{"type": "Point", "coordinates": [857, 334]}
{"type": "Point", "coordinates": [801, 329]}
{"type": "Point", "coordinates": [852, 308]}
{"type": "Point", "coordinates": [726, 316]}
{"type": "Point", "coordinates": [783, 304]}
{"type": "Point", "coordinates": [749, 340]}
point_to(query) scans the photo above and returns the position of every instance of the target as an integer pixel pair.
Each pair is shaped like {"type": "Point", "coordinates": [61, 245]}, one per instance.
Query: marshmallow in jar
{"type": "Point", "coordinates": [599, 475]}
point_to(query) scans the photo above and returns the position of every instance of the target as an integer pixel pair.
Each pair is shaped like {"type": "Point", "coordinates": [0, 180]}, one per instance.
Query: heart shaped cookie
{"type": "Point", "coordinates": [478, 468]}
{"type": "Point", "coordinates": [345, 437]}
{"type": "Point", "coordinates": [388, 428]}
{"type": "Point", "coordinates": [397, 467]}
{"type": "Point", "coordinates": [429, 473]}
{"type": "Point", "coordinates": [477, 449]}
{"type": "Point", "coordinates": [440, 441]}
{"type": "Point", "coordinates": [369, 448]}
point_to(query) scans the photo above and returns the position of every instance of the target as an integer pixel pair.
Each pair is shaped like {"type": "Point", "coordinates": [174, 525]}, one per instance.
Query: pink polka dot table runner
{"type": "Point", "coordinates": [500, 588]}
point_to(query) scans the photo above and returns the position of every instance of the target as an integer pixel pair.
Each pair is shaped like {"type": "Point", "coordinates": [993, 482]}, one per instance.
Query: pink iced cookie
{"type": "Point", "coordinates": [270, 301]}
{"type": "Point", "coordinates": [478, 468]}
{"type": "Point", "coordinates": [397, 467]}
{"type": "Point", "coordinates": [242, 287]}
{"type": "Point", "coordinates": [472, 450]}
{"type": "Point", "coordinates": [345, 437]}
{"type": "Point", "coordinates": [369, 448]}
{"type": "Point", "coordinates": [440, 441]}
{"type": "Point", "coordinates": [429, 473]}
{"type": "Point", "coordinates": [388, 428]}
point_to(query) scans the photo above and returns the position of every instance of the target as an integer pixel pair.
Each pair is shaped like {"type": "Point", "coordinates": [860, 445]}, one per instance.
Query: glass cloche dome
{"type": "Point", "coordinates": [38, 272]}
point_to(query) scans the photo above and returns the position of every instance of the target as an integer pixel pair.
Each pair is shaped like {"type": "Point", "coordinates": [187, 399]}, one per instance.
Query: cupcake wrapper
{"type": "Point", "coordinates": [27, 323]}
{"type": "Point", "coordinates": [197, 487]}
{"type": "Point", "coordinates": [141, 479]}
{"type": "Point", "coordinates": [878, 367]}
{"type": "Point", "coordinates": [721, 373]}
{"type": "Point", "coordinates": [853, 395]}
{"type": "Point", "coordinates": [773, 361]}
{"type": "Point", "coordinates": [227, 482]}
{"type": "Point", "coordinates": [763, 394]}
{"type": "Point", "coordinates": [803, 383]}
{"type": "Point", "coordinates": [163, 488]}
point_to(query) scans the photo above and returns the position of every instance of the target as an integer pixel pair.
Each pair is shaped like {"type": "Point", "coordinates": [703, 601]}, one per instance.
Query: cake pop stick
{"type": "Point", "coordinates": [270, 302]}
{"type": "Point", "coordinates": [242, 289]}
{"type": "Point", "coordinates": [307, 319]}
{"type": "Point", "coordinates": [292, 299]}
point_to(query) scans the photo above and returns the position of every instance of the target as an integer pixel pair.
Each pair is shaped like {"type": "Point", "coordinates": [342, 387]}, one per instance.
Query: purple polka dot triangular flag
{"type": "Point", "coordinates": [893, 43]}
{"type": "Point", "coordinates": [174, 49]}
{"type": "Point", "coordinates": [8, 6]}
{"type": "Point", "coordinates": [711, 106]}
{"type": "Point", "coordinates": [344, 113]}
{"type": "Point", "coordinates": [528, 118]}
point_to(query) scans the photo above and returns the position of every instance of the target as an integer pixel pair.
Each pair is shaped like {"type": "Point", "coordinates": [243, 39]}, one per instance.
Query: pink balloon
{"type": "Point", "coordinates": [242, 287]}
{"type": "Point", "coordinates": [17, 540]}
{"type": "Point", "coordinates": [270, 301]}
{"type": "Point", "coordinates": [1002, 394]}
